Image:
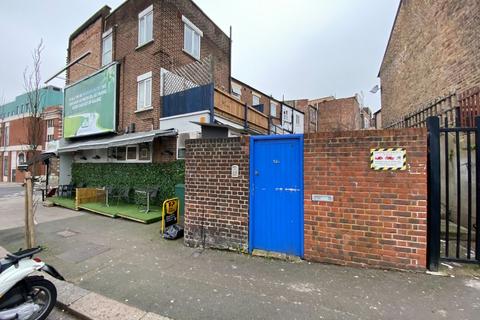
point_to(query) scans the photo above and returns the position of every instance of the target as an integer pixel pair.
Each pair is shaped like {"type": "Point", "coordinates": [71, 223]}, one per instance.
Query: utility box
{"type": "Point", "coordinates": [180, 194]}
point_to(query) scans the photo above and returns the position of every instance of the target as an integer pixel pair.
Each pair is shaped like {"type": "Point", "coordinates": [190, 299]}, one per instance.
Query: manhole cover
{"type": "Point", "coordinates": [82, 252]}
{"type": "Point", "coordinates": [67, 233]}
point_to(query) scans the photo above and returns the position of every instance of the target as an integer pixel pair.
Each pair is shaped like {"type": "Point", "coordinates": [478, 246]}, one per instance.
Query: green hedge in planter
{"type": "Point", "coordinates": [134, 175]}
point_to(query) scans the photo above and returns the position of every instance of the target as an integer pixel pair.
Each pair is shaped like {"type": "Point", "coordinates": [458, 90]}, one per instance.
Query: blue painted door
{"type": "Point", "coordinates": [276, 194]}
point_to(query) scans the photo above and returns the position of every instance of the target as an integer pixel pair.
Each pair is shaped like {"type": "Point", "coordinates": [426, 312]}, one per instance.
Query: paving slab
{"type": "Point", "coordinates": [68, 293]}
{"type": "Point", "coordinates": [59, 314]}
{"type": "Point", "coordinates": [153, 316]}
{"type": "Point", "coordinates": [97, 307]}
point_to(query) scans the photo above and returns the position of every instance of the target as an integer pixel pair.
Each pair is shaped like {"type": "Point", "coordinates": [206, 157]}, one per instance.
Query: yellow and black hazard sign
{"type": "Point", "coordinates": [388, 159]}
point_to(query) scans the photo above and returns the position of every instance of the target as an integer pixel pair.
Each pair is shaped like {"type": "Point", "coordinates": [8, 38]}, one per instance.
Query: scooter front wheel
{"type": "Point", "coordinates": [44, 294]}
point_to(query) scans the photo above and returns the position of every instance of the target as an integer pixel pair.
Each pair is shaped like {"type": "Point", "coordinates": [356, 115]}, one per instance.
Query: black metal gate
{"type": "Point", "coordinates": [453, 176]}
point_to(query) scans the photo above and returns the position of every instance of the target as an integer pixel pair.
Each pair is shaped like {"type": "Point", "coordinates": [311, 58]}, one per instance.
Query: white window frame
{"type": "Point", "coordinates": [107, 36]}
{"type": "Point", "coordinates": [133, 146]}
{"type": "Point", "coordinates": [273, 109]}
{"type": "Point", "coordinates": [146, 79]}
{"type": "Point", "coordinates": [237, 90]}
{"type": "Point", "coordinates": [143, 23]}
{"type": "Point", "coordinates": [195, 31]}
{"type": "Point", "coordinates": [255, 95]}
{"type": "Point", "coordinates": [6, 135]}
{"type": "Point", "coordinates": [137, 154]}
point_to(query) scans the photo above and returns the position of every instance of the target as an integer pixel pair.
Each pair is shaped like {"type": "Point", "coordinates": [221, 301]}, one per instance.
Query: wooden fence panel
{"type": "Point", "coordinates": [86, 195]}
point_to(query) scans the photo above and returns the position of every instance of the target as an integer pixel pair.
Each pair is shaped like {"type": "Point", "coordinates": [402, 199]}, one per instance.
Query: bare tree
{"type": "Point", "coordinates": [33, 115]}
{"type": "Point", "coordinates": [34, 134]}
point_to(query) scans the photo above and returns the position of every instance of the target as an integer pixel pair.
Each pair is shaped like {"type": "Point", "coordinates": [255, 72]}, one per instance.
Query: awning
{"type": "Point", "coordinates": [40, 157]}
{"type": "Point", "coordinates": [116, 141]}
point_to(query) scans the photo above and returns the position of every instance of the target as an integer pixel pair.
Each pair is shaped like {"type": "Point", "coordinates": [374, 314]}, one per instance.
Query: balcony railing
{"type": "Point", "coordinates": [217, 102]}
{"type": "Point", "coordinates": [244, 115]}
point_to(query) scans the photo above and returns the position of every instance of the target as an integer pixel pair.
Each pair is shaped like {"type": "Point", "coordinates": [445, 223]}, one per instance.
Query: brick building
{"type": "Point", "coordinates": [15, 132]}
{"type": "Point", "coordinates": [377, 119]}
{"type": "Point", "coordinates": [284, 118]}
{"type": "Point", "coordinates": [432, 51]}
{"type": "Point", "coordinates": [332, 114]}
{"type": "Point", "coordinates": [310, 111]}
{"type": "Point", "coordinates": [149, 48]}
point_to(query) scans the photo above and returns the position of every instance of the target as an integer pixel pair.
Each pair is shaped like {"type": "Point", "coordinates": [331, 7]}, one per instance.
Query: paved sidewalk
{"type": "Point", "coordinates": [90, 305]}
{"type": "Point", "coordinates": [130, 263]}
{"type": "Point", "coordinates": [81, 303]}
{"type": "Point", "coordinates": [12, 212]}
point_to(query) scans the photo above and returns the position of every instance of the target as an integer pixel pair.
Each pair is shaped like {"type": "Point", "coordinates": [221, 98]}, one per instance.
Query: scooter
{"type": "Point", "coordinates": [24, 296]}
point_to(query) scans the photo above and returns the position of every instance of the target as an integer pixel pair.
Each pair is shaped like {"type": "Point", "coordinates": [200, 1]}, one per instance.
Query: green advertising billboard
{"type": "Point", "coordinates": [90, 105]}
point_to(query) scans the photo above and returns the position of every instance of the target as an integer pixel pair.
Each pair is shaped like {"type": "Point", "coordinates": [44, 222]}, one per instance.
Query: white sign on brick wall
{"type": "Point", "coordinates": [235, 171]}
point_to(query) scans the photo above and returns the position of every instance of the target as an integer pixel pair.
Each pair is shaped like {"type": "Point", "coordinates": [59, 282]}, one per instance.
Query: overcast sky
{"type": "Point", "coordinates": [288, 48]}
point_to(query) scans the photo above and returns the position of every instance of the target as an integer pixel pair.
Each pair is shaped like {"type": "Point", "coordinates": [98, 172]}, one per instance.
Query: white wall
{"type": "Point", "coordinates": [183, 123]}
{"type": "Point", "coordinates": [287, 113]}
{"type": "Point", "coordinates": [298, 127]}
{"type": "Point", "coordinates": [65, 168]}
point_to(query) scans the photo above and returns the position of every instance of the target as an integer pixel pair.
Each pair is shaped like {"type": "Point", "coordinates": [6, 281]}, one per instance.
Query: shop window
{"type": "Point", "coordinates": [121, 153]}
{"type": "Point", "coordinates": [132, 153]}
{"type": "Point", "coordinates": [192, 38]}
{"type": "Point", "coordinates": [5, 166]}
{"type": "Point", "coordinates": [145, 26]}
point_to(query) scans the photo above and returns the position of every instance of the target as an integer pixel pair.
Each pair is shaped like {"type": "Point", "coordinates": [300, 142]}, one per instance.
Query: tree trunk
{"type": "Point", "coordinates": [29, 223]}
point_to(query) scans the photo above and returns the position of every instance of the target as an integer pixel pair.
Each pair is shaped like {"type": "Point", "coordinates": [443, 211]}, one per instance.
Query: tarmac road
{"type": "Point", "coordinates": [10, 190]}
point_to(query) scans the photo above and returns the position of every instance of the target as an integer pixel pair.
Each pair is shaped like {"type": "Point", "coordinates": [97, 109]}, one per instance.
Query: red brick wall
{"type": "Point", "coordinates": [433, 51]}
{"type": "Point", "coordinates": [339, 115]}
{"type": "Point", "coordinates": [216, 205]}
{"type": "Point", "coordinates": [19, 138]}
{"type": "Point", "coordinates": [165, 51]}
{"type": "Point", "coordinates": [164, 149]}
{"type": "Point", "coordinates": [377, 218]}
{"type": "Point", "coordinates": [89, 40]}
